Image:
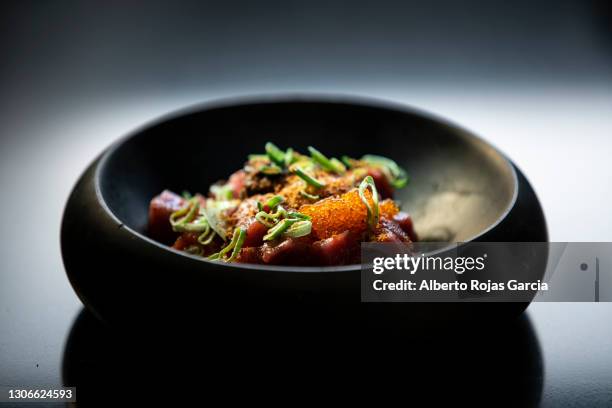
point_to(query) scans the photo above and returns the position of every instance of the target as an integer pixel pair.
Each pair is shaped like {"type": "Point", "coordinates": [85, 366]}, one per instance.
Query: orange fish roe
{"type": "Point", "coordinates": [388, 208]}
{"type": "Point", "coordinates": [334, 215]}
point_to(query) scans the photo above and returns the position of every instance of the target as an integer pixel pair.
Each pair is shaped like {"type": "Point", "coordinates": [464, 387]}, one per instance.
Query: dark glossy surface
{"type": "Point", "coordinates": [465, 190]}
{"type": "Point", "coordinates": [480, 364]}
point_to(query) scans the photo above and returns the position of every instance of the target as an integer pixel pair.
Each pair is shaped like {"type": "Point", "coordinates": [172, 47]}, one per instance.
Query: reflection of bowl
{"type": "Point", "coordinates": [461, 189]}
{"type": "Point", "coordinates": [500, 364]}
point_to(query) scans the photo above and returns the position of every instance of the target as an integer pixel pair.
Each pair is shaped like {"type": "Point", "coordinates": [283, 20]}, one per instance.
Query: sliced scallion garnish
{"type": "Point", "coordinates": [279, 229]}
{"type": "Point", "coordinates": [276, 155]}
{"type": "Point", "coordinates": [331, 165]}
{"type": "Point", "coordinates": [304, 163]}
{"type": "Point", "coordinates": [338, 165]}
{"type": "Point", "coordinates": [384, 161]}
{"type": "Point", "coordinates": [207, 237]}
{"type": "Point", "coordinates": [400, 182]}
{"type": "Point", "coordinates": [231, 245]}
{"type": "Point", "coordinates": [396, 175]}
{"type": "Point", "coordinates": [280, 212]}
{"type": "Point", "coordinates": [214, 217]}
{"type": "Point", "coordinates": [184, 220]}
{"type": "Point", "coordinates": [289, 157]}
{"type": "Point", "coordinates": [239, 242]}
{"type": "Point", "coordinates": [373, 212]}
{"type": "Point", "coordinates": [299, 216]}
{"type": "Point", "coordinates": [271, 170]}
{"type": "Point", "coordinates": [200, 225]}
{"type": "Point", "coordinates": [349, 162]}
{"type": "Point", "coordinates": [184, 215]}
{"type": "Point", "coordinates": [299, 229]}
{"type": "Point", "coordinates": [175, 217]}
{"type": "Point", "coordinates": [235, 244]}
{"type": "Point", "coordinates": [308, 178]}
{"type": "Point", "coordinates": [273, 202]}
{"type": "Point", "coordinates": [308, 196]}
{"type": "Point", "coordinates": [266, 219]}
{"type": "Point", "coordinates": [270, 219]}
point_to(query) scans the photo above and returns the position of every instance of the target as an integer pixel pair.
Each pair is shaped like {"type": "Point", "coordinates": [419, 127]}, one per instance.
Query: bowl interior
{"type": "Point", "coordinates": [460, 186]}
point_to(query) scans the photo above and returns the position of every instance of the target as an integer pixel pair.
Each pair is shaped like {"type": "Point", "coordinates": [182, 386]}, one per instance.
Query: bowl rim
{"type": "Point", "coordinates": [280, 98]}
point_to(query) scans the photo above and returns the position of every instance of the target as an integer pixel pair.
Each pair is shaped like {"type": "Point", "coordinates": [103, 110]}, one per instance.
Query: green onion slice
{"type": "Point", "coordinates": [200, 225]}
{"type": "Point", "coordinates": [305, 163]}
{"type": "Point", "coordinates": [270, 220]}
{"type": "Point", "coordinates": [175, 216]}
{"type": "Point", "coordinates": [213, 213]}
{"type": "Point", "coordinates": [308, 196]}
{"type": "Point", "coordinates": [396, 175]}
{"type": "Point", "coordinates": [235, 245]}
{"type": "Point", "coordinates": [400, 182]}
{"type": "Point", "coordinates": [271, 170]}
{"type": "Point", "coordinates": [231, 245]}
{"type": "Point", "coordinates": [276, 155]}
{"type": "Point", "coordinates": [333, 165]}
{"type": "Point", "coordinates": [184, 215]}
{"type": "Point", "coordinates": [298, 216]}
{"type": "Point", "coordinates": [273, 202]}
{"type": "Point", "coordinates": [202, 239]}
{"type": "Point", "coordinates": [242, 234]}
{"type": "Point", "coordinates": [373, 213]}
{"type": "Point", "coordinates": [299, 229]}
{"type": "Point", "coordinates": [279, 229]}
{"type": "Point", "coordinates": [181, 220]}
{"type": "Point", "coordinates": [308, 178]}
{"type": "Point", "coordinates": [349, 162]}
{"type": "Point", "coordinates": [266, 219]}
{"type": "Point", "coordinates": [340, 167]}
{"type": "Point", "coordinates": [280, 212]}
{"type": "Point", "coordinates": [289, 157]}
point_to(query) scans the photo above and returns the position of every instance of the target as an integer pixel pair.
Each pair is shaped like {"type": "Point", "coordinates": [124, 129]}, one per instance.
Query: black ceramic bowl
{"type": "Point", "coordinates": [462, 189]}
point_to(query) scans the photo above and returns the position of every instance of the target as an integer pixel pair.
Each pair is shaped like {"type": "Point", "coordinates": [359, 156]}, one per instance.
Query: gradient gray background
{"type": "Point", "coordinates": [534, 78]}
